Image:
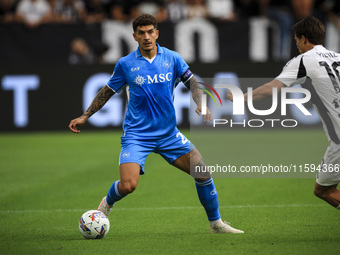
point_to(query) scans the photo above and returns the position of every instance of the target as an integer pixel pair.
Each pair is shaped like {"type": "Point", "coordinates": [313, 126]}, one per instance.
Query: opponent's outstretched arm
{"type": "Point", "coordinates": [262, 92]}
{"type": "Point", "coordinates": [196, 93]}
{"type": "Point", "coordinates": [98, 102]}
{"type": "Point", "coordinates": [266, 90]}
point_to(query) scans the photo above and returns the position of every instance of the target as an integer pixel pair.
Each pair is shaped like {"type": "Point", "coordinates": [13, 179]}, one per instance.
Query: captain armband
{"type": "Point", "coordinates": [186, 76]}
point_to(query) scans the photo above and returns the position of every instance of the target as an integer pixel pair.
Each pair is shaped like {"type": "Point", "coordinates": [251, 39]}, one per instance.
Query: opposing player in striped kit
{"type": "Point", "coordinates": [321, 67]}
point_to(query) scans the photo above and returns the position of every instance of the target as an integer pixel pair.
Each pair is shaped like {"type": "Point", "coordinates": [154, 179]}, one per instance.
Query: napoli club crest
{"type": "Point", "coordinates": [166, 64]}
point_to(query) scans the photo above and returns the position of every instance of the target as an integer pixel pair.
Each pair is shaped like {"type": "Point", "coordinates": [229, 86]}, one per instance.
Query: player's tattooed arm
{"type": "Point", "coordinates": [193, 85]}
{"type": "Point", "coordinates": [99, 101]}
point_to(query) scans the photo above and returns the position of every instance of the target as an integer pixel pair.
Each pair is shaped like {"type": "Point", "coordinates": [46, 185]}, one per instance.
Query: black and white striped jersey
{"type": "Point", "coordinates": [321, 67]}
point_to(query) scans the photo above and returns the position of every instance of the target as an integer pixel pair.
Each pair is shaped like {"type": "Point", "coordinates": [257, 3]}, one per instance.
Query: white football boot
{"type": "Point", "coordinates": [104, 207]}
{"type": "Point", "coordinates": [224, 227]}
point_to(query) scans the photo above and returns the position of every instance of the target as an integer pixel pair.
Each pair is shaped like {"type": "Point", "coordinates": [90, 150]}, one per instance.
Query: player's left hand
{"type": "Point", "coordinates": [207, 117]}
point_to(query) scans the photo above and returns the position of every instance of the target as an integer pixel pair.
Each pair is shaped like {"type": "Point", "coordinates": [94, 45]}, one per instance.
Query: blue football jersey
{"type": "Point", "coordinates": [150, 92]}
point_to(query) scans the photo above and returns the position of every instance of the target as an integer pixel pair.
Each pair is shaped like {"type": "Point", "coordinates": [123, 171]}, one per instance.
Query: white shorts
{"type": "Point", "coordinates": [329, 169]}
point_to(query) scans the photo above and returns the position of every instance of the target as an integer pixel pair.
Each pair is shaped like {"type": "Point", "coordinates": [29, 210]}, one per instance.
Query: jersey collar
{"type": "Point", "coordinates": [159, 51]}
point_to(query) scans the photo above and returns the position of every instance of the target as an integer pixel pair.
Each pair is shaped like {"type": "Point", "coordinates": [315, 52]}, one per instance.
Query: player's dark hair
{"type": "Point", "coordinates": [311, 28]}
{"type": "Point", "coordinates": [144, 20]}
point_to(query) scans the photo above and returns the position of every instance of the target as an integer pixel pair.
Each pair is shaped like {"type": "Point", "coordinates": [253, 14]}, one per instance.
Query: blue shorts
{"type": "Point", "coordinates": [170, 148]}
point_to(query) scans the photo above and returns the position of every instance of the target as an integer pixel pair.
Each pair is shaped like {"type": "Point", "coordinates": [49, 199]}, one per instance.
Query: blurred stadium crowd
{"type": "Point", "coordinates": [34, 13]}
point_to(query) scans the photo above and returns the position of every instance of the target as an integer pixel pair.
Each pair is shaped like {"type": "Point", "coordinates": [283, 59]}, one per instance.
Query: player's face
{"type": "Point", "coordinates": [146, 37]}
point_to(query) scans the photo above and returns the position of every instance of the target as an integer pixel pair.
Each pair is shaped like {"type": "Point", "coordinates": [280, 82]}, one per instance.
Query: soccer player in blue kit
{"type": "Point", "coordinates": [150, 75]}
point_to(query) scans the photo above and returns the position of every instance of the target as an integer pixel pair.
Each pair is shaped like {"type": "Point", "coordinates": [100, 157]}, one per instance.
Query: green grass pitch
{"type": "Point", "coordinates": [49, 179]}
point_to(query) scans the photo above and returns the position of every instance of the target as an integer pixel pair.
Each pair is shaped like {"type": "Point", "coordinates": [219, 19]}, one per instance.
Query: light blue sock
{"type": "Point", "coordinates": [207, 194]}
{"type": "Point", "coordinates": [113, 195]}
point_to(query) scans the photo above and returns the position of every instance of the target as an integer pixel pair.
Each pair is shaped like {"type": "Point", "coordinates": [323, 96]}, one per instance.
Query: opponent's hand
{"type": "Point", "coordinates": [207, 117]}
{"type": "Point", "coordinates": [76, 123]}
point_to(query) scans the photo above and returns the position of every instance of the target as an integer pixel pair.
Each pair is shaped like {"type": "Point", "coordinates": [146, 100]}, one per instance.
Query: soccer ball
{"type": "Point", "coordinates": [94, 224]}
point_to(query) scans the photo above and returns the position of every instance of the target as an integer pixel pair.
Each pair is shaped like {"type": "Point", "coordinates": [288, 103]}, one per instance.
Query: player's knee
{"type": "Point", "coordinates": [202, 179]}
{"type": "Point", "coordinates": [322, 192]}
{"type": "Point", "coordinates": [318, 192]}
{"type": "Point", "coordinates": [127, 187]}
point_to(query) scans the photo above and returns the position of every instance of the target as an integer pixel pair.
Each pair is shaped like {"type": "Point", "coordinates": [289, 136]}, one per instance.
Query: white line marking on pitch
{"type": "Point", "coordinates": [163, 208]}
